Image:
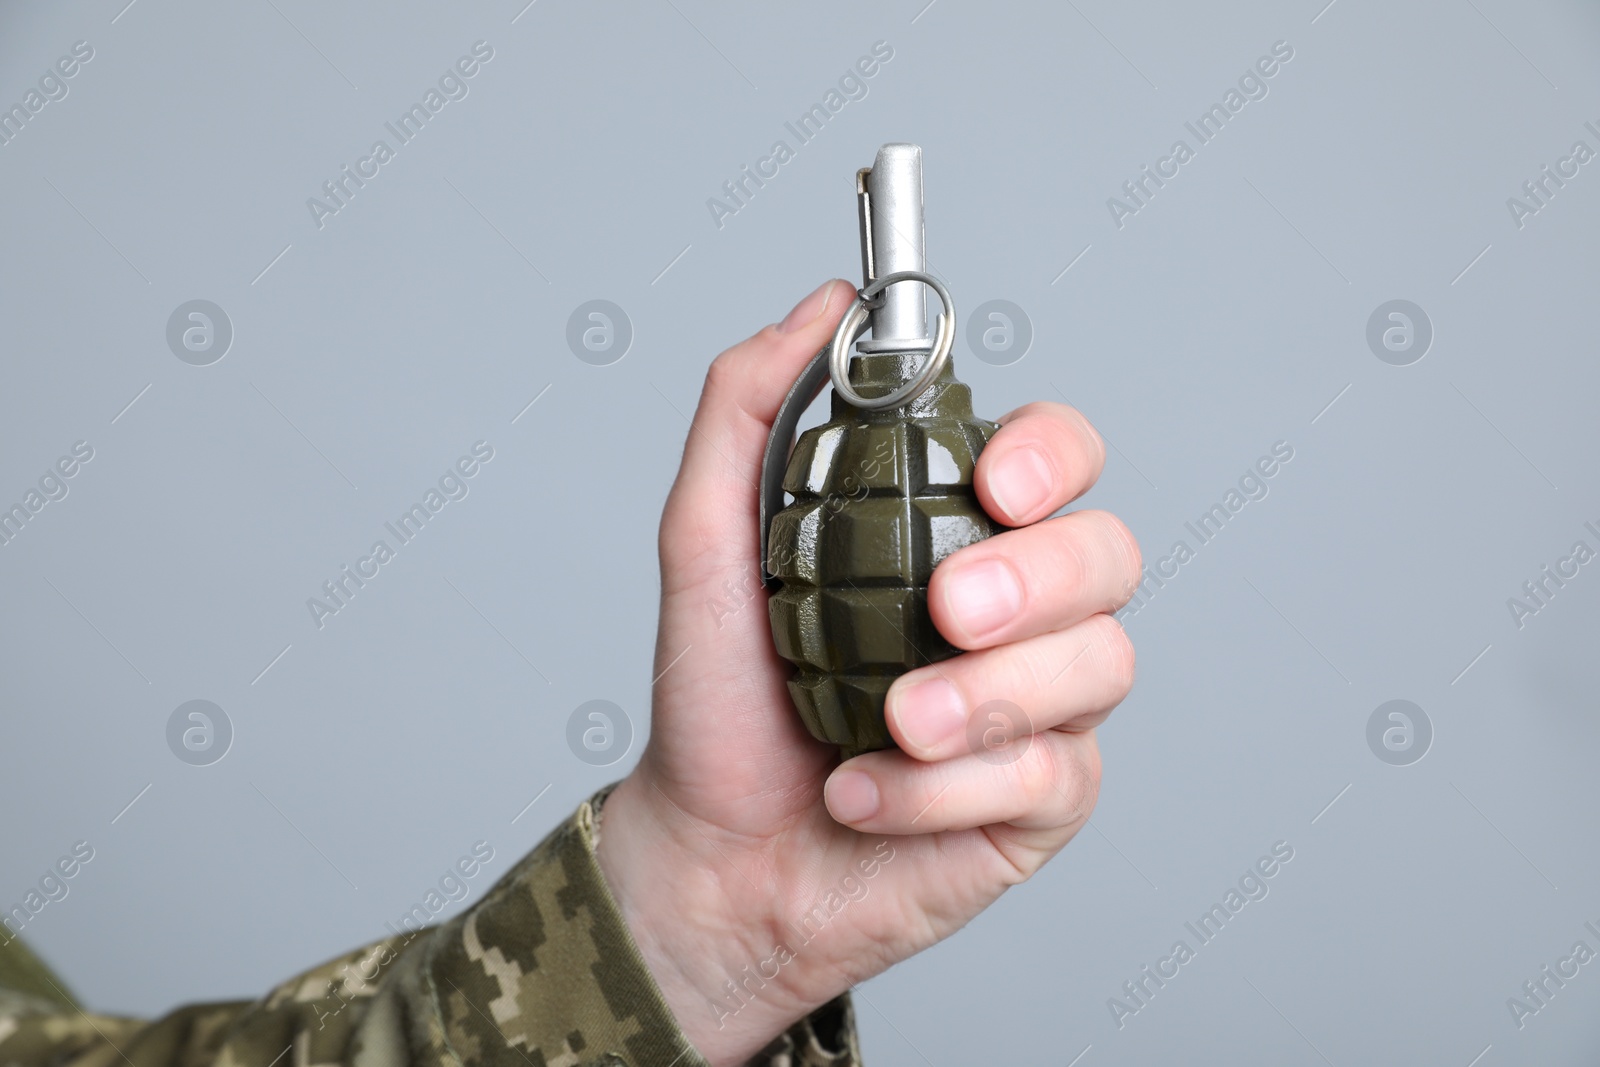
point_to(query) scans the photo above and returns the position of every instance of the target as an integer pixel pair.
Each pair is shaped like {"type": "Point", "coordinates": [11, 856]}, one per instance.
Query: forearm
{"type": "Point", "coordinates": [545, 965]}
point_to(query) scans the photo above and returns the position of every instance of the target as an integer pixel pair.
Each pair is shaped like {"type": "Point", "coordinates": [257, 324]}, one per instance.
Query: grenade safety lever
{"type": "Point", "coordinates": [882, 491]}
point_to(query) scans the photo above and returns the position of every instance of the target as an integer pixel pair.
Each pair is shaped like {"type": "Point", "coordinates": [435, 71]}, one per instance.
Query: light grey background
{"type": "Point", "coordinates": [1225, 316]}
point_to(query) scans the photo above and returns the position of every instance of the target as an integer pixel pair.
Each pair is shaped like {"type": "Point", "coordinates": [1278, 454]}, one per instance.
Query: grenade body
{"type": "Point", "coordinates": [880, 497]}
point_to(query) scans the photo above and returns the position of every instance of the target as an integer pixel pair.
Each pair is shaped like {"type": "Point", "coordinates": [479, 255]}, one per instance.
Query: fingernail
{"type": "Point", "coordinates": [983, 597]}
{"type": "Point", "coordinates": [1020, 482]}
{"type": "Point", "coordinates": [852, 796]}
{"type": "Point", "coordinates": [928, 713]}
{"type": "Point", "coordinates": [807, 311]}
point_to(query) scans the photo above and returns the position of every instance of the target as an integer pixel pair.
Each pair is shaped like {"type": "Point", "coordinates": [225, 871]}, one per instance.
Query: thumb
{"type": "Point", "coordinates": [709, 522]}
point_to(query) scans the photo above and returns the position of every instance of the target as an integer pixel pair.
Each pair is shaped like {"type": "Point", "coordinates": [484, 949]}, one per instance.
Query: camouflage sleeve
{"type": "Point", "coordinates": [542, 972]}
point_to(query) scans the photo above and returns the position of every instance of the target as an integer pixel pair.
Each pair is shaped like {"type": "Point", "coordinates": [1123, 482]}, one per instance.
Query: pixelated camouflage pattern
{"type": "Point", "coordinates": [542, 972]}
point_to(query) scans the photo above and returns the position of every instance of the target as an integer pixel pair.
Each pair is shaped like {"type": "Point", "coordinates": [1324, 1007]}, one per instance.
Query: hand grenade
{"type": "Point", "coordinates": [882, 491]}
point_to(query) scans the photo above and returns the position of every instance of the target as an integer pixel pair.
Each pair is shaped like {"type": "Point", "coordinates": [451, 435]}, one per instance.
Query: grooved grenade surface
{"type": "Point", "coordinates": [880, 497]}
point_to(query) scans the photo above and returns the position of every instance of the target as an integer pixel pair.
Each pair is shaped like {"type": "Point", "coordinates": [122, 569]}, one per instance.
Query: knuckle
{"type": "Point", "coordinates": [1042, 777]}
{"type": "Point", "coordinates": [1036, 665]}
{"type": "Point", "coordinates": [1080, 781]}
{"type": "Point", "coordinates": [1088, 788]}
{"type": "Point", "coordinates": [1122, 553]}
{"type": "Point", "coordinates": [1091, 437]}
{"type": "Point", "coordinates": [1055, 779]}
{"type": "Point", "coordinates": [1118, 655]}
{"type": "Point", "coordinates": [1123, 543]}
{"type": "Point", "coordinates": [722, 375]}
{"type": "Point", "coordinates": [1074, 559]}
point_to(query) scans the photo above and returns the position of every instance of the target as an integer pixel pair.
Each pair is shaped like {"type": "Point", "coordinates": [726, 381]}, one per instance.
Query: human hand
{"type": "Point", "coordinates": [760, 877]}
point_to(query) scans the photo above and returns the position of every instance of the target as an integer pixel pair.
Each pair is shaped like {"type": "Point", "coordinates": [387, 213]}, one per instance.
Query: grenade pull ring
{"type": "Point", "coordinates": [893, 239]}
{"type": "Point", "coordinates": [855, 320]}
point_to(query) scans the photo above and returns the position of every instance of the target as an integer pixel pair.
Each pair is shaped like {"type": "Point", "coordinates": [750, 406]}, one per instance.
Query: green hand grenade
{"type": "Point", "coordinates": [882, 491]}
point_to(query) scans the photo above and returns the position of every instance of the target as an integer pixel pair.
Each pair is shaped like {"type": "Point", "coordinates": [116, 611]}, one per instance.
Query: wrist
{"type": "Point", "coordinates": [711, 944]}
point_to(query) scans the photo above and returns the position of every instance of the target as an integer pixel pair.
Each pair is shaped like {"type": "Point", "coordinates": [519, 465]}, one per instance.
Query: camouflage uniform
{"type": "Point", "coordinates": [542, 972]}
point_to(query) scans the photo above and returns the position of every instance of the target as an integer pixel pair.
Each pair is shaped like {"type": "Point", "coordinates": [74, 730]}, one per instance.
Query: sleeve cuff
{"type": "Point", "coordinates": [545, 966]}
{"type": "Point", "coordinates": [542, 972]}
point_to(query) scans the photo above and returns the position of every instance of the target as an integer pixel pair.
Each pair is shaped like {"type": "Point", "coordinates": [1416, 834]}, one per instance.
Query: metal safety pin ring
{"type": "Point", "coordinates": [855, 321]}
